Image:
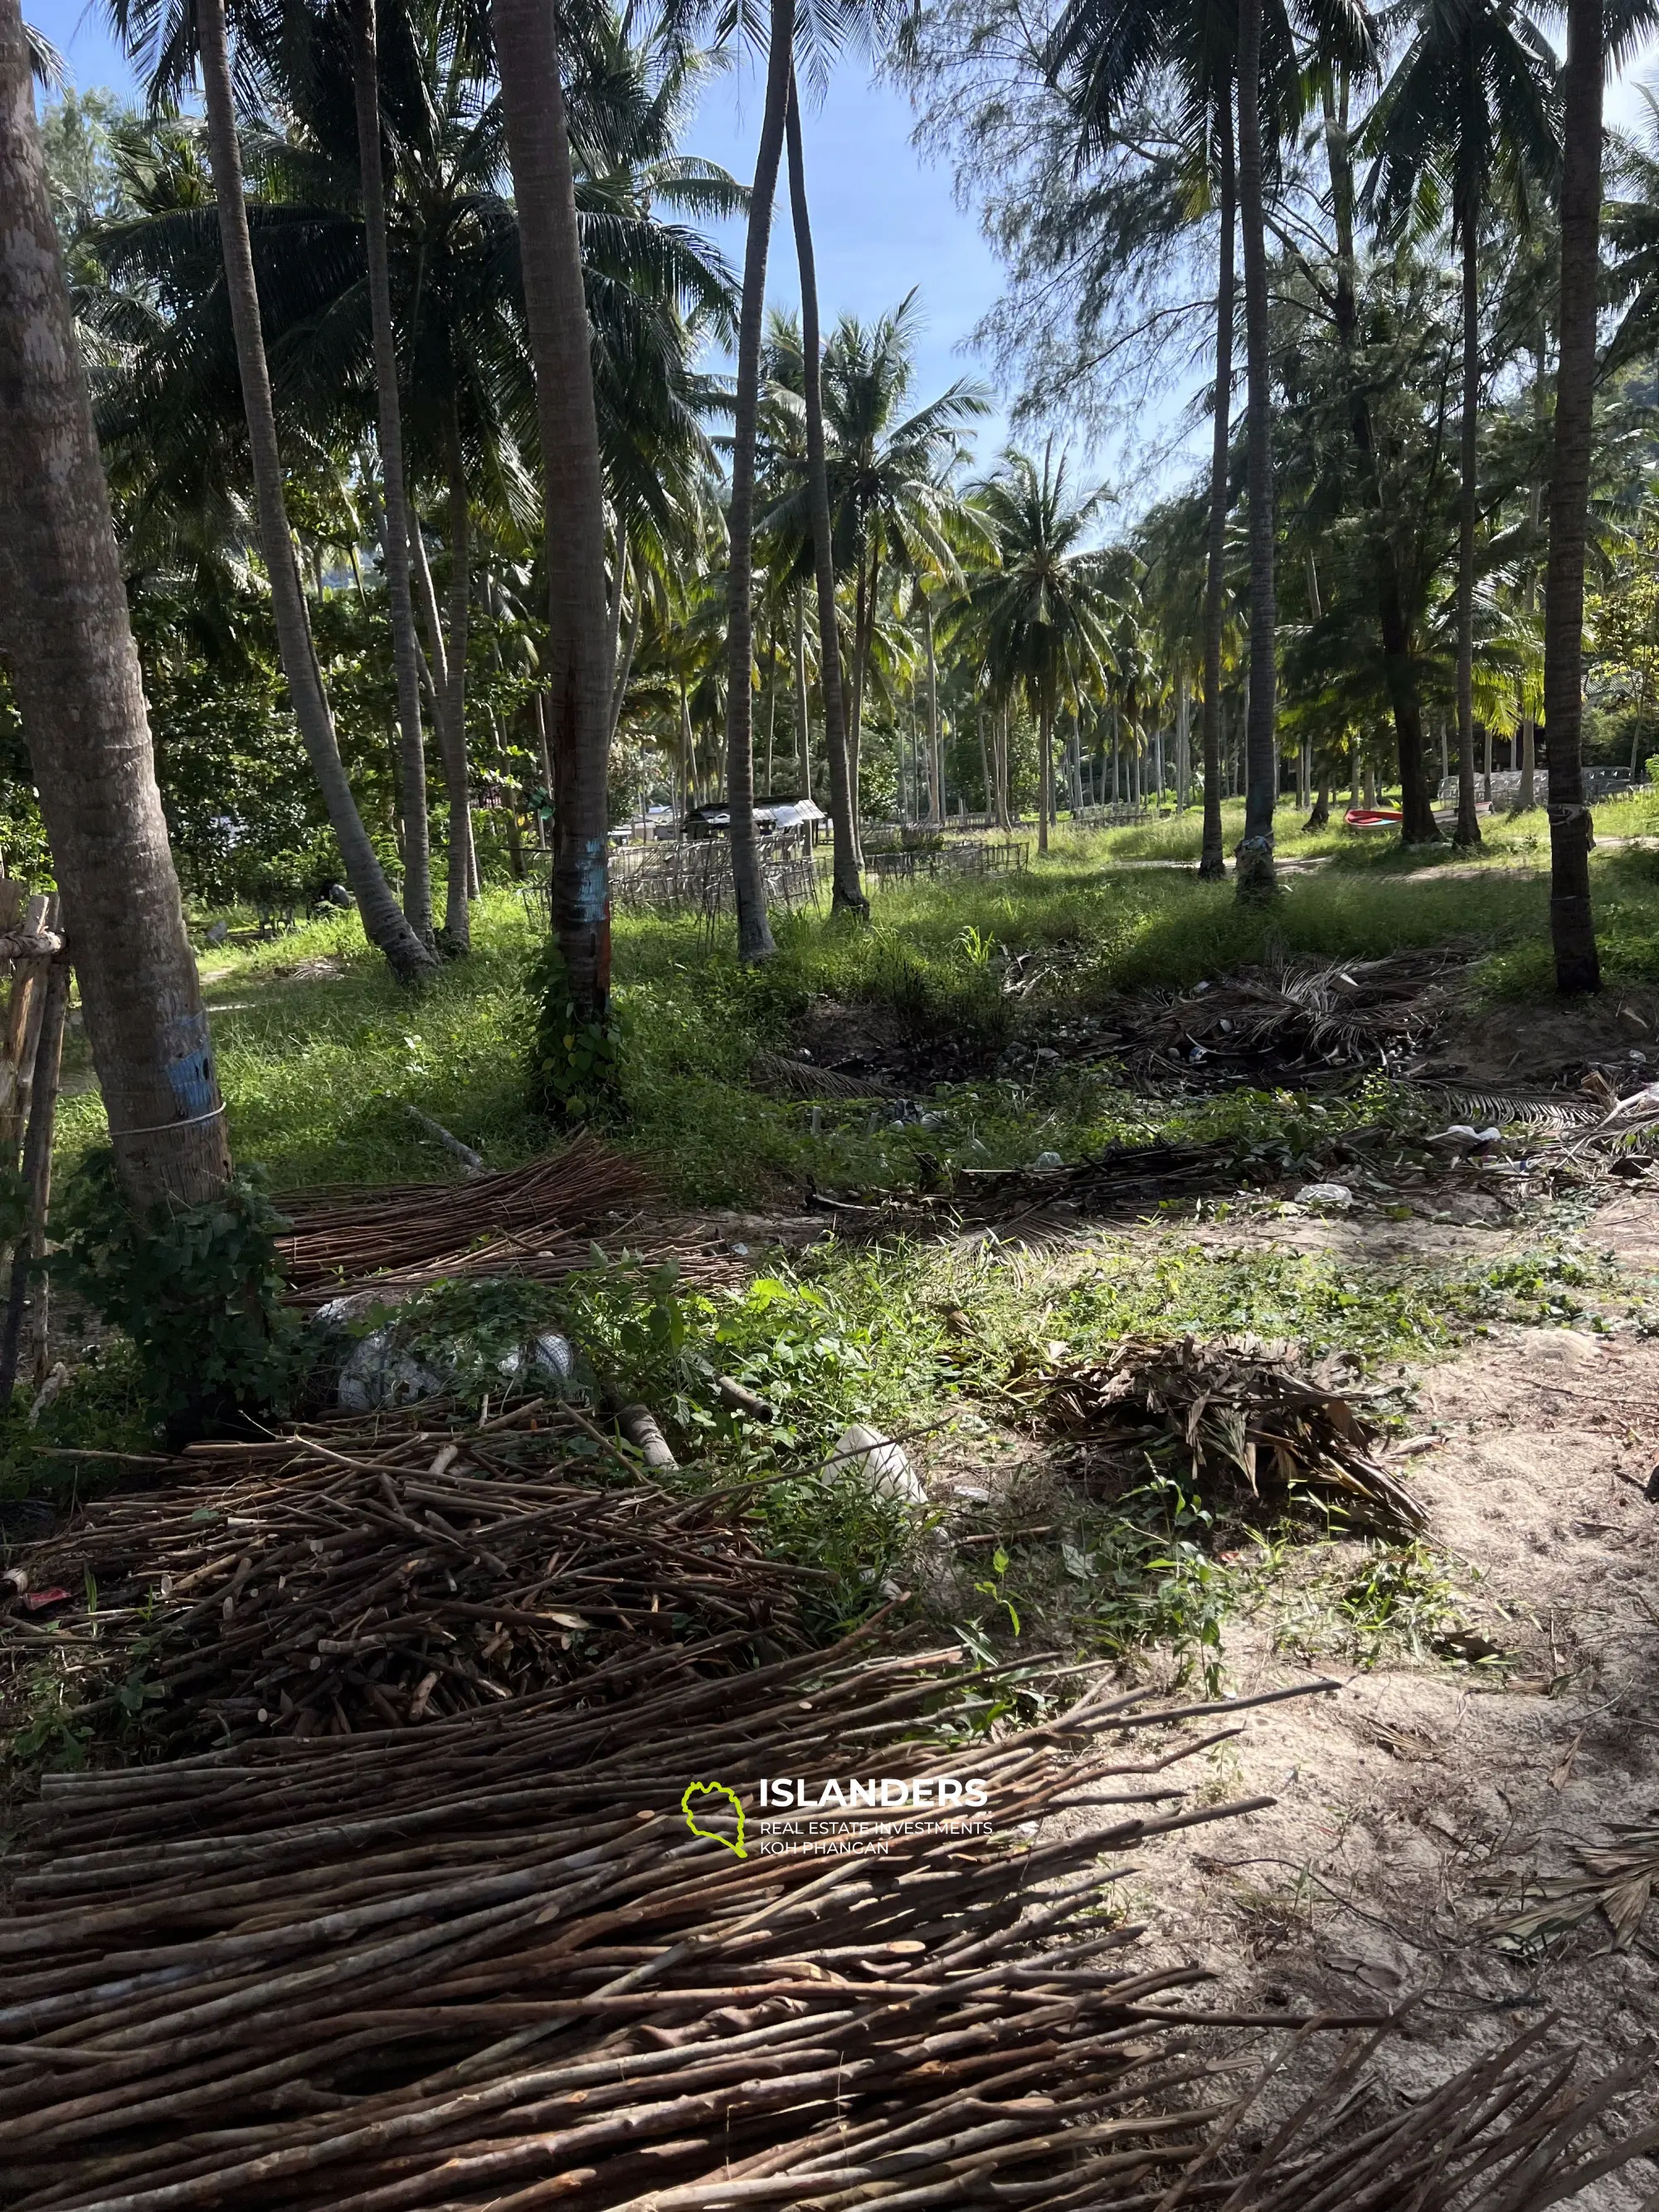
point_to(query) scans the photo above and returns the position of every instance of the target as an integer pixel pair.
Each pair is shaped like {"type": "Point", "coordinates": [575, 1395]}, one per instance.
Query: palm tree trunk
{"type": "Point", "coordinates": [462, 861]}
{"type": "Point", "coordinates": [1254, 870]}
{"type": "Point", "coordinates": [1045, 773]}
{"type": "Point", "coordinates": [579, 675]}
{"type": "Point", "coordinates": [1212, 861]}
{"type": "Point", "coordinates": [394, 538]}
{"type": "Point", "coordinates": [1469, 822]}
{"type": "Point", "coordinates": [754, 931]}
{"type": "Point", "coordinates": [1526, 797]}
{"type": "Point", "coordinates": [861, 595]}
{"type": "Point", "coordinates": [68, 647]}
{"type": "Point", "coordinates": [935, 758]}
{"type": "Point", "coordinates": [803, 721]}
{"type": "Point", "coordinates": [847, 892]}
{"type": "Point", "coordinates": [383, 921]}
{"type": "Point", "coordinates": [1572, 928]}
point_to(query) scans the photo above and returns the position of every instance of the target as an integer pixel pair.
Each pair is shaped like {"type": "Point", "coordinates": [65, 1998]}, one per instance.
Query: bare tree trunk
{"type": "Point", "coordinates": [462, 860]}
{"type": "Point", "coordinates": [1526, 797]}
{"type": "Point", "coordinates": [383, 922]}
{"type": "Point", "coordinates": [1212, 862]}
{"type": "Point", "coordinates": [754, 931]}
{"type": "Point", "coordinates": [394, 537]}
{"type": "Point", "coordinates": [803, 722]}
{"type": "Point", "coordinates": [935, 759]}
{"type": "Point", "coordinates": [626, 647]}
{"type": "Point", "coordinates": [579, 675]}
{"type": "Point", "coordinates": [847, 892]}
{"type": "Point", "coordinates": [67, 647]}
{"type": "Point", "coordinates": [1572, 927]}
{"type": "Point", "coordinates": [1183, 741]}
{"type": "Point", "coordinates": [1254, 867]}
{"type": "Point", "coordinates": [1468, 831]}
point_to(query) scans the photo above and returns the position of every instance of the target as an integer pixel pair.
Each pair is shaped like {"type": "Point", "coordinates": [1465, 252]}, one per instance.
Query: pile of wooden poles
{"type": "Point", "coordinates": [531, 1220]}
{"type": "Point", "coordinates": [379, 1574]}
{"type": "Point", "coordinates": [500, 1972]}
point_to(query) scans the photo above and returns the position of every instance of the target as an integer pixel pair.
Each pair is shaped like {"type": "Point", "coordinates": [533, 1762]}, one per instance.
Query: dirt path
{"type": "Point", "coordinates": [1419, 1802]}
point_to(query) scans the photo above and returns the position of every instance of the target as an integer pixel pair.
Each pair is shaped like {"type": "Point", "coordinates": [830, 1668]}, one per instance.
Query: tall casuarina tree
{"type": "Point", "coordinates": [1255, 872]}
{"type": "Point", "coordinates": [382, 920]}
{"type": "Point", "coordinates": [754, 931]}
{"type": "Point", "coordinates": [847, 892]}
{"type": "Point", "coordinates": [579, 665]}
{"type": "Point", "coordinates": [65, 643]}
{"type": "Point", "coordinates": [1472, 104]}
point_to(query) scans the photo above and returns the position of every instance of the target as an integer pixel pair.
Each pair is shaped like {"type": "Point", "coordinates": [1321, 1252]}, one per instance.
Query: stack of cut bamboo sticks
{"type": "Point", "coordinates": [497, 1971]}
{"type": "Point", "coordinates": [377, 1574]}
{"type": "Point", "coordinates": [531, 1220]}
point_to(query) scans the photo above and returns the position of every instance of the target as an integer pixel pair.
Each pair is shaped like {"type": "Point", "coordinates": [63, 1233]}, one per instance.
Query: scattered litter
{"type": "Point", "coordinates": [381, 1373]}
{"type": "Point", "coordinates": [866, 1454]}
{"type": "Point", "coordinates": [1336, 1197]}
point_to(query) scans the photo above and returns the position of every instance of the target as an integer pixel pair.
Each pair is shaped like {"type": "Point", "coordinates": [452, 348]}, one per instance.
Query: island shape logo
{"type": "Point", "coordinates": [714, 1789]}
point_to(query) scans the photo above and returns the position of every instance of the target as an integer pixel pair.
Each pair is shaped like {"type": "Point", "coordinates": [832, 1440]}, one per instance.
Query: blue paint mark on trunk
{"type": "Point", "coordinates": [190, 1065]}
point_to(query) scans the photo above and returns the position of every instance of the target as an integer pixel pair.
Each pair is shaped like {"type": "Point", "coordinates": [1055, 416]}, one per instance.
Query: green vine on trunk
{"type": "Point", "coordinates": [198, 1288]}
{"type": "Point", "coordinates": [572, 1057]}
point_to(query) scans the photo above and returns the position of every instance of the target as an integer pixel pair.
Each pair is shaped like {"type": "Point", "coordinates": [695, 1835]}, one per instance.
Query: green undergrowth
{"type": "Point", "coordinates": [319, 1065]}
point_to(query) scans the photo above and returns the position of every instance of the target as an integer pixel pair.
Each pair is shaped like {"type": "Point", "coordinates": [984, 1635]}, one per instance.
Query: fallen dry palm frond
{"type": "Point", "coordinates": [1229, 1415]}
{"type": "Point", "coordinates": [527, 1221]}
{"type": "Point", "coordinates": [1332, 1014]}
{"type": "Point", "coordinates": [804, 1079]}
{"type": "Point", "coordinates": [1617, 1879]}
{"type": "Point", "coordinates": [1623, 1124]}
{"type": "Point", "coordinates": [379, 1574]}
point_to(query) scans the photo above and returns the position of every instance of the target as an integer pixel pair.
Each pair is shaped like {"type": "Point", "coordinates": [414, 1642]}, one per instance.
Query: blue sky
{"type": "Point", "coordinates": [883, 218]}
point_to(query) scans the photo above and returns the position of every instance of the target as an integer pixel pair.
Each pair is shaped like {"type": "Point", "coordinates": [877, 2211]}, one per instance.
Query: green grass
{"type": "Point", "coordinates": [317, 1072]}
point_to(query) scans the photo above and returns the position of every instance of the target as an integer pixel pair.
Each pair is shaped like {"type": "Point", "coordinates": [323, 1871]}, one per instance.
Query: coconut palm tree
{"type": "Point", "coordinates": [67, 644]}
{"type": "Point", "coordinates": [1044, 613]}
{"type": "Point", "coordinates": [178, 37]}
{"type": "Point", "coordinates": [894, 506]}
{"type": "Point", "coordinates": [1471, 104]}
{"type": "Point", "coordinates": [754, 931]}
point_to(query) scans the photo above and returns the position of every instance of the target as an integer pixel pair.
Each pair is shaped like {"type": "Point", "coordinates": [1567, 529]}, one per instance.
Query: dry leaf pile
{"type": "Point", "coordinates": [382, 1575]}
{"type": "Point", "coordinates": [1311, 1015]}
{"type": "Point", "coordinates": [1617, 1879]}
{"type": "Point", "coordinates": [1221, 1415]}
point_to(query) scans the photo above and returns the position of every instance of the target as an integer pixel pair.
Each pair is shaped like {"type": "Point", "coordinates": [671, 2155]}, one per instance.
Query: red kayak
{"type": "Point", "coordinates": [1372, 817]}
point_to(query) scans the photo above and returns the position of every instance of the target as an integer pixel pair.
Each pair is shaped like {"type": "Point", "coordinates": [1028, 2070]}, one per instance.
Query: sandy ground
{"type": "Point", "coordinates": [1416, 1803]}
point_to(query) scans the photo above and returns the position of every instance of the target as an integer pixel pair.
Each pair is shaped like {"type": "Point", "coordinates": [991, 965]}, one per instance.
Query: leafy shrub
{"type": "Point", "coordinates": [198, 1289]}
